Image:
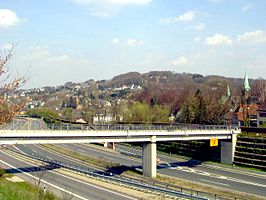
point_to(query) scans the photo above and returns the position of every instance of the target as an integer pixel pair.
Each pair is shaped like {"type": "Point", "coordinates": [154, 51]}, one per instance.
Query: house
{"type": "Point", "coordinates": [101, 118]}
{"type": "Point", "coordinates": [247, 112]}
{"type": "Point", "coordinates": [261, 115]}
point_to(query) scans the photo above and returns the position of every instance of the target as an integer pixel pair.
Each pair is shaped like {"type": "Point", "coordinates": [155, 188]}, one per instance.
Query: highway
{"type": "Point", "coordinates": [239, 180]}
{"type": "Point", "coordinates": [214, 175]}
{"type": "Point", "coordinates": [217, 175]}
{"type": "Point", "coordinates": [79, 189]}
{"type": "Point", "coordinates": [55, 181]}
{"type": "Point", "coordinates": [235, 179]}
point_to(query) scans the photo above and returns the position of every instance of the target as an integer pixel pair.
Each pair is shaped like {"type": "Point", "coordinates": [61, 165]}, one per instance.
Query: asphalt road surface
{"type": "Point", "coordinates": [58, 183]}
{"type": "Point", "coordinates": [235, 179]}
{"type": "Point", "coordinates": [225, 177]}
{"type": "Point", "coordinates": [54, 180]}
{"type": "Point", "coordinates": [215, 175]}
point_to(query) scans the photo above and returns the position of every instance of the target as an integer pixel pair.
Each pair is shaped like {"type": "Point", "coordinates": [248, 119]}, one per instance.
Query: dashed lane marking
{"type": "Point", "coordinates": [214, 182]}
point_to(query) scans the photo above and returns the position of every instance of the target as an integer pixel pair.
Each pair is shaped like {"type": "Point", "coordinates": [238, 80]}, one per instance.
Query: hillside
{"type": "Point", "coordinates": [164, 88]}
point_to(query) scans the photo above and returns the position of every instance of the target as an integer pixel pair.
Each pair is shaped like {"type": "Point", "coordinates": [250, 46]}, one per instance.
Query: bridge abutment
{"type": "Point", "coordinates": [149, 166]}
{"type": "Point", "coordinates": [228, 150]}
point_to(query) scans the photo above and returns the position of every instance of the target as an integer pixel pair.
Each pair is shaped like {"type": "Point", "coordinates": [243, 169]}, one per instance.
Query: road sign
{"type": "Point", "coordinates": [213, 142]}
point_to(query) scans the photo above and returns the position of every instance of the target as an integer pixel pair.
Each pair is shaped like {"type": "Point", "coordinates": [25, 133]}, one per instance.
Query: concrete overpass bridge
{"type": "Point", "coordinates": [148, 134]}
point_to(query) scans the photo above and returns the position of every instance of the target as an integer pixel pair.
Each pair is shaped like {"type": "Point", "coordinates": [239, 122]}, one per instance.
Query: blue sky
{"type": "Point", "coordinates": [75, 40]}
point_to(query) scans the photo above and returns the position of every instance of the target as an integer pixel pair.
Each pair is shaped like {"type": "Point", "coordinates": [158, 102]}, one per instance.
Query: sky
{"type": "Point", "coordinates": [76, 40]}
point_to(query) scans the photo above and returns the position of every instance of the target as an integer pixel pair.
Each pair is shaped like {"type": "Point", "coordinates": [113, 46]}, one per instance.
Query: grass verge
{"type": "Point", "coordinates": [89, 160]}
{"type": "Point", "coordinates": [21, 190]}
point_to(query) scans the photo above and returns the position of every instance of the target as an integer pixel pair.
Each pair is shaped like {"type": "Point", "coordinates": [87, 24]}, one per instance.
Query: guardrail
{"type": "Point", "coordinates": [111, 178]}
{"type": "Point", "coordinates": [140, 127]}
{"type": "Point", "coordinates": [153, 185]}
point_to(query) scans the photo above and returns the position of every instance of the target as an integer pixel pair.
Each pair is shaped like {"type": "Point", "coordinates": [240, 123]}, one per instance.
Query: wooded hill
{"type": "Point", "coordinates": [150, 97]}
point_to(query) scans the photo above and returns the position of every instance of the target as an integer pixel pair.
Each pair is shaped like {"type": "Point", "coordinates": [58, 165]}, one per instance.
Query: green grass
{"type": "Point", "coordinates": [21, 191]}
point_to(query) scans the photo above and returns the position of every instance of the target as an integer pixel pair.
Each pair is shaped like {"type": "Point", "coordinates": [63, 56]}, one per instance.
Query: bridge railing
{"type": "Point", "coordinates": [140, 127]}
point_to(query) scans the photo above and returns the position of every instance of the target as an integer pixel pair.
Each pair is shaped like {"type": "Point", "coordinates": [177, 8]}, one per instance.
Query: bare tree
{"type": "Point", "coordinates": [8, 84]}
{"type": "Point", "coordinates": [259, 89]}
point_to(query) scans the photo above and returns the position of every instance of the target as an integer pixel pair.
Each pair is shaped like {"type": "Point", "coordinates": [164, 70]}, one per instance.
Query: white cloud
{"type": "Point", "coordinates": [41, 53]}
{"type": "Point", "coordinates": [9, 18]}
{"type": "Point", "coordinates": [115, 41]}
{"type": "Point", "coordinates": [197, 39]}
{"type": "Point", "coordinates": [129, 42]}
{"type": "Point", "coordinates": [246, 7]}
{"type": "Point", "coordinates": [134, 42]}
{"type": "Point", "coordinates": [218, 39]}
{"type": "Point", "coordinates": [197, 27]}
{"type": "Point", "coordinates": [107, 8]}
{"type": "Point", "coordinates": [186, 17]}
{"type": "Point", "coordinates": [180, 61]}
{"type": "Point", "coordinates": [257, 36]}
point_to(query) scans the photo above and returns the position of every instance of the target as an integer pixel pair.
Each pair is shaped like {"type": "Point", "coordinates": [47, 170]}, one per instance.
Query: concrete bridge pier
{"type": "Point", "coordinates": [110, 145]}
{"type": "Point", "coordinates": [149, 166]}
{"type": "Point", "coordinates": [228, 150]}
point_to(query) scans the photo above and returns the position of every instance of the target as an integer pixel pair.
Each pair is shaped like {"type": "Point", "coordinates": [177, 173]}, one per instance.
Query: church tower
{"type": "Point", "coordinates": [245, 101]}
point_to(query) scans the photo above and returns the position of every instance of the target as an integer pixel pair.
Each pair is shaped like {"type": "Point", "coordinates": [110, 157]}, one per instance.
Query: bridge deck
{"type": "Point", "coordinates": [110, 135]}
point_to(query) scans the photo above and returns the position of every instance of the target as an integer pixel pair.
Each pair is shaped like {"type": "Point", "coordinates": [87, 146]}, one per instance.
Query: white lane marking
{"type": "Point", "coordinates": [209, 166]}
{"type": "Point", "coordinates": [224, 178]}
{"type": "Point", "coordinates": [18, 149]}
{"type": "Point", "coordinates": [177, 168]}
{"type": "Point", "coordinates": [214, 182]}
{"type": "Point", "coordinates": [189, 170]}
{"type": "Point", "coordinates": [43, 181]}
{"type": "Point", "coordinates": [203, 173]}
{"type": "Point", "coordinates": [236, 171]}
{"type": "Point", "coordinates": [98, 187]}
{"type": "Point", "coordinates": [246, 182]}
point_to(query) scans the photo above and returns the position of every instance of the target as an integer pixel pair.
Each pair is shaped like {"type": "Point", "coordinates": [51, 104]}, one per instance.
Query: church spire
{"type": "Point", "coordinates": [228, 91]}
{"type": "Point", "coordinates": [246, 83]}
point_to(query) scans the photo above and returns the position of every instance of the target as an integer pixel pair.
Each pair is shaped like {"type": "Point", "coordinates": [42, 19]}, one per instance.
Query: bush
{"type": "Point", "coordinates": [47, 114]}
{"type": "Point", "coordinates": [2, 172]}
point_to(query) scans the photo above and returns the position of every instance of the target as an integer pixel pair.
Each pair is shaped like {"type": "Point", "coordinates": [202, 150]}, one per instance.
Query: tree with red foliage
{"type": "Point", "coordinates": [8, 85]}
